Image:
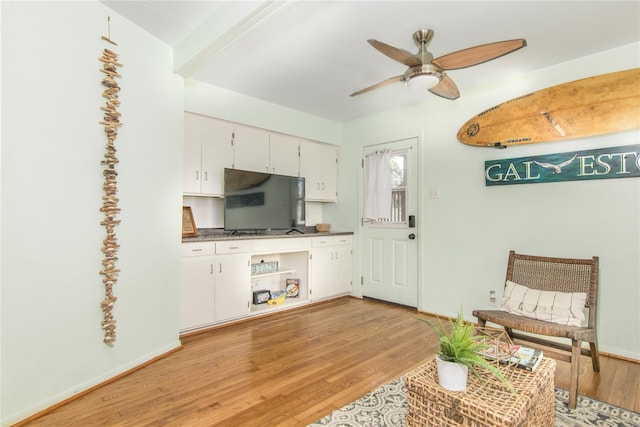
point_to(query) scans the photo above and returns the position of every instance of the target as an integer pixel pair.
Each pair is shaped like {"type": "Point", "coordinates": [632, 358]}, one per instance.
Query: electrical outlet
{"type": "Point", "coordinates": [492, 298]}
{"type": "Point", "coordinates": [434, 193]}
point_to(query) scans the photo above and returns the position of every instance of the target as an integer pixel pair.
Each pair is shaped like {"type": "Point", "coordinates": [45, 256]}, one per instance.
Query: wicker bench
{"type": "Point", "coordinates": [558, 275]}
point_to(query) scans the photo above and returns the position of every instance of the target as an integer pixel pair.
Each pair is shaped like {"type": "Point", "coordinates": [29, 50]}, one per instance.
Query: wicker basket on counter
{"type": "Point", "coordinates": [323, 227]}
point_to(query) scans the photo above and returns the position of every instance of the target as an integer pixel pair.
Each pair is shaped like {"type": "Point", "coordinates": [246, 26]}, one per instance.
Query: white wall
{"type": "Point", "coordinates": [216, 102]}
{"type": "Point", "coordinates": [52, 146]}
{"type": "Point", "coordinates": [465, 235]}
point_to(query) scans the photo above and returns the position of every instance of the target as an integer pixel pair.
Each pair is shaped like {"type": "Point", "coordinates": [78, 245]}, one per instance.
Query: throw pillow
{"type": "Point", "coordinates": [566, 308]}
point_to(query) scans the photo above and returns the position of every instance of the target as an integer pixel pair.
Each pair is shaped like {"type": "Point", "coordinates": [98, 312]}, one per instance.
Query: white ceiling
{"type": "Point", "coordinates": [310, 55]}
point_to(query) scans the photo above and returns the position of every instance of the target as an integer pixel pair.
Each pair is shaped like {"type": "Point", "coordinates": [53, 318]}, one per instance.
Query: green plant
{"type": "Point", "coordinates": [460, 344]}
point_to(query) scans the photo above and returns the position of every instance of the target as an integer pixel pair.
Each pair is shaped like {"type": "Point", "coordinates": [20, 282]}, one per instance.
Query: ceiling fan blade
{"type": "Point", "coordinates": [378, 85]}
{"type": "Point", "coordinates": [446, 89]}
{"type": "Point", "coordinates": [478, 54]}
{"type": "Point", "coordinates": [403, 56]}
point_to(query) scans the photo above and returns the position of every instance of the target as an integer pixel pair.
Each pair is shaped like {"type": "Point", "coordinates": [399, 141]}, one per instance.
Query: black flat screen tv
{"type": "Point", "coordinates": [256, 201]}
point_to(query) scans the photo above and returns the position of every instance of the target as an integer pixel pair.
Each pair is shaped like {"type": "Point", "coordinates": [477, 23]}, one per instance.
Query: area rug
{"type": "Point", "coordinates": [387, 406]}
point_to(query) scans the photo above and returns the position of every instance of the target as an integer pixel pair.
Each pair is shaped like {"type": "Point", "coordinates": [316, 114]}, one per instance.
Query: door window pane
{"type": "Point", "coordinates": [398, 187]}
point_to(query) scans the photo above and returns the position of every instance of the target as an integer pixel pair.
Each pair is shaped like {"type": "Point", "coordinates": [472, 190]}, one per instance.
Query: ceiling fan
{"type": "Point", "coordinates": [429, 73]}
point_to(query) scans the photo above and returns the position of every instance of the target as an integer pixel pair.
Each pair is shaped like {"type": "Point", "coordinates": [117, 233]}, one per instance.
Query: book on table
{"type": "Point", "coordinates": [523, 357]}
{"type": "Point", "coordinates": [527, 358]}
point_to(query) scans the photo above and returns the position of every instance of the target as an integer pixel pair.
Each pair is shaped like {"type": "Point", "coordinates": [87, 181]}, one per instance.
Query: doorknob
{"type": "Point", "coordinates": [412, 236]}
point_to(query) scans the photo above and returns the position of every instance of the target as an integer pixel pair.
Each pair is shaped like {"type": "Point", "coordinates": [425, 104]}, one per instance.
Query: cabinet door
{"type": "Point", "coordinates": [343, 268]}
{"type": "Point", "coordinates": [331, 266]}
{"type": "Point", "coordinates": [250, 149]}
{"type": "Point", "coordinates": [322, 273]}
{"type": "Point", "coordinates": [233, 286]}
{"type": "Point", "coordinates": [319, 166]}
{"type": "Point", "coordinates": [196, 292]}
{"type": "Point", "coordinates": [217, 154]}
{"type": "Point", "coordinates": [191, 169]}
{"type": "Point", "coordinates": [284, 154]}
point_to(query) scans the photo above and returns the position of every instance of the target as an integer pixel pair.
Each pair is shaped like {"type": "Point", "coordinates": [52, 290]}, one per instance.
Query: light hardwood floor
{"type": "Point", "coordinates": [291, 369]}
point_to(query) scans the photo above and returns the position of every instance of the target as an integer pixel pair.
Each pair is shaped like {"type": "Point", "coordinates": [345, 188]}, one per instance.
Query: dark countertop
{"type": "Point", "coordinates": [214, 234]}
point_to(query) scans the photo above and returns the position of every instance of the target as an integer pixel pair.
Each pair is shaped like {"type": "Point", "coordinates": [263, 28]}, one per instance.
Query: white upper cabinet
{"type": "Point", "coordinates": [210, 145]}
{"type": "Point", "coordinates": [192, 154]}
{"type": "Point", "coordinates": [319, 166]}
{"type": "Point", "coordinates": [251, 149]}
{"type": "Point", "coordinates": [217, 154]}
{"type": "Point", "coordinates": [207, 151]}
{"type": "Point", "coordinates": [284, 154]}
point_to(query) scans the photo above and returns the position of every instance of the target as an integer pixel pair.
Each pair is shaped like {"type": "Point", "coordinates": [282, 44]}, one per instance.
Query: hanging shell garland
{"type": "Point", "coordinates": [111, 122]}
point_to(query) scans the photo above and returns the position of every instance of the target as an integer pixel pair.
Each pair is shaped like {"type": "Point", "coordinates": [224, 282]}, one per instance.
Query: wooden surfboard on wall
{"type": "Point", "coordinates": [593, 106]}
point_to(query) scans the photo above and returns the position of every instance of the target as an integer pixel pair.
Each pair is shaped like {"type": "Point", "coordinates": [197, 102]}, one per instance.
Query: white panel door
{"type": "Point", "coordinates": [390, 248]}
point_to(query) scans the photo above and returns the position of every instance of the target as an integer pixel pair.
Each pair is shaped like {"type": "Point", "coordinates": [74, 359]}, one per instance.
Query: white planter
{"type": "Point", "coordinates": [452, 375]}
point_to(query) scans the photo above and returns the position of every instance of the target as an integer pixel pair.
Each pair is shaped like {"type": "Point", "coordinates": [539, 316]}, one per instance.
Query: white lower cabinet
{"type": "Point", "coordinates": [197, 285]}
{"type": "Point", "coordinates": [231, 290]}
{"type": "Point", "coordinates": [214, 284]}
{"type": "Point", "coordinates": [217, 284]}
{"type": "Point", "coordinates": [331, 266]}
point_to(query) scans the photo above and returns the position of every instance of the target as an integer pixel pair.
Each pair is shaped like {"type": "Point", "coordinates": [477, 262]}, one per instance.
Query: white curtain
{"type": "Point", "coordinates": [377, 186]}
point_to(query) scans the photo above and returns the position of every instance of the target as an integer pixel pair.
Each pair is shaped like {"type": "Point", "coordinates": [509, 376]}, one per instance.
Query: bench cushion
{"type": "Point", "coordinates": [565, 308]}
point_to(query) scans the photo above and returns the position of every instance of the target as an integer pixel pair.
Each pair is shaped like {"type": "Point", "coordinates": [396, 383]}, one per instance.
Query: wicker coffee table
{"type": "Point", "coordinates": [429, 404]}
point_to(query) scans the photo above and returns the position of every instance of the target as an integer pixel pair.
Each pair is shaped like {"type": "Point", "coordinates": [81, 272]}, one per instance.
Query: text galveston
{"type": "Point", "coordinates": [602, 163]}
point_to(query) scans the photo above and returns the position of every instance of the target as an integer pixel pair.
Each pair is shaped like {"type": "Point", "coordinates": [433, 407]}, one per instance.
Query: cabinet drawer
{"type": "Point", "coordinates": [197, 249]}
{"type": "Point", "coordinates": [318, 242]}
{"type": "Point", "coordinates": [233, 247]}
{"type": "Point", "coordinates": [342, 240]}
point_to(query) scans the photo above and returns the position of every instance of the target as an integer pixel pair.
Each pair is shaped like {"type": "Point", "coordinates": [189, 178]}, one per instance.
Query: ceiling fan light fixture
{"type": "Point", "coordinates": [422, 77]}
{"type": "Point", "coordinates": [423, 81]}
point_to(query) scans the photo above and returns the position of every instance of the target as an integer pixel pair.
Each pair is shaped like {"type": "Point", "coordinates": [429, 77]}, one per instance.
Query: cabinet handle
{"type": "Point", "coordinates": [211, 272]}
{"type": "Point", "coordinates": [336, 255]}
{"type": "Point", "coordinates": [219, 267]}
{"type": "Point", "coordinates": [233, 247]}
{"type": "Point", "coordinates": [197, 175]}
{"type": "Point", "coordinates": [206, 176]}
{"type": "Point", "coordinates": [196, 250]}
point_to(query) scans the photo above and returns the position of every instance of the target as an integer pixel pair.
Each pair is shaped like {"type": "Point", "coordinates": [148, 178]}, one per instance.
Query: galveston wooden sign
{"type": "Point", "coordinates": [601, 163]}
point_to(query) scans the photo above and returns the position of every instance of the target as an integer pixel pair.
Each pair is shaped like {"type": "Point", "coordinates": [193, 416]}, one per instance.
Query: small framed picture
{"type": "Point", "coordinates": [292, 288]}
{"type": "Point", "coordinates": [188, 224]}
